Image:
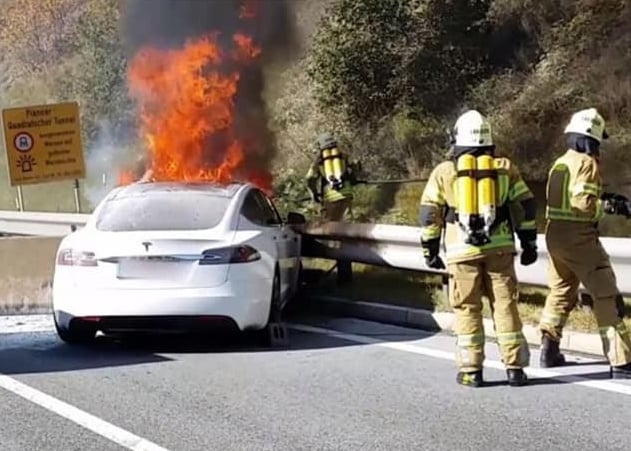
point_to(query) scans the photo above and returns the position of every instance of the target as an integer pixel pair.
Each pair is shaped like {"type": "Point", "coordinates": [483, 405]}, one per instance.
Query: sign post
{"type": "Point", "coordinates": [44, 145]}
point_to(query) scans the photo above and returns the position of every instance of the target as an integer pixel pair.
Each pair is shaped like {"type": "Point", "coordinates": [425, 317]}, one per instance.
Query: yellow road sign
{"type": "Point", "coordinates": [43, 143]}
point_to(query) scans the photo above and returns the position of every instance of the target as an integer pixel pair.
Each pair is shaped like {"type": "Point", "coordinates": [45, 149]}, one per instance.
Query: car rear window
{"type": "Point", "coordinates": [162, 211]}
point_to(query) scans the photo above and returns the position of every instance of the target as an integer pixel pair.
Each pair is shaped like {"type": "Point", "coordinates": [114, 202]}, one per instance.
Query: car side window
{"type": "Point", "coordinates": [257, 210]}
{"type": "Point", "coordinates": [277, 219]}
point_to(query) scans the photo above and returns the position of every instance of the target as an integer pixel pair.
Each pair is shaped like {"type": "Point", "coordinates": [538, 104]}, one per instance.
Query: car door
{"type": "Point", "coordinates": [292, 242]}
{"type": "Point", "coordinates": [259, 212]}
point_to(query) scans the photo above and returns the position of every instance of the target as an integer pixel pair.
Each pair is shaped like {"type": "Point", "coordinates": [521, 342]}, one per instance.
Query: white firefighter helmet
{"type": "Point", "coordinates": [588, 122]}
{"type": "Point", "coordinates": [472, 130]}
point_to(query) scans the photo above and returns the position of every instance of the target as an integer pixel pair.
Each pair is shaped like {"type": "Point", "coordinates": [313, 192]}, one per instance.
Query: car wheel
{"type": "Point", "coordinates": [76, 334]}
{"type": "Point", "coordinates": [274, 333]}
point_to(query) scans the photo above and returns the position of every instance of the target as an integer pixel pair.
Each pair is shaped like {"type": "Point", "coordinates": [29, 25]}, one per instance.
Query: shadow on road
{"type": "Point", "coordinates": [41, 352]}
{"type": "Point", "coordinates": [44, 352]}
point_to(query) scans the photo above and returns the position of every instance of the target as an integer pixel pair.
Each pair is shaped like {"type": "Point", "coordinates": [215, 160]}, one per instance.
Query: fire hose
{"type": "Point", "coordinates": [377, 182]}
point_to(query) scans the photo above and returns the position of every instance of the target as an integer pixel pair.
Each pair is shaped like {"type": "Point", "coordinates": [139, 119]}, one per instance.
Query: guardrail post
{"type": "Point", "coordinates": [344, 272]}
{"type": "Point", "coordinates": [445, 282]}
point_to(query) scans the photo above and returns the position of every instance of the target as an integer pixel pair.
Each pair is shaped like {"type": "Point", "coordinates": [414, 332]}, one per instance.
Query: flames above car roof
{"type": "Point", "coordinates": [212, 188]}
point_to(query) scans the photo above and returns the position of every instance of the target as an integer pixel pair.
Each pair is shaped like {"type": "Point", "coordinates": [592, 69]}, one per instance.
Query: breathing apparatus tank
{"type": "Point", "coordinates": [486, 191]}
{"type": "Point", "coordinates": [475, 197]}
{"type": "Point", "coordinates": [332, 161]}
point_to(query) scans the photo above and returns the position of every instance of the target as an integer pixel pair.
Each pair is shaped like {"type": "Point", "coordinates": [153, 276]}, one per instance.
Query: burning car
{"type": "Point", "coordinates": [176, 256]}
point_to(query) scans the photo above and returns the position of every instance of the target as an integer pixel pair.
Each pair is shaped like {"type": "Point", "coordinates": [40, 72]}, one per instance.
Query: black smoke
{"type": "Point", "coordinates": [169, 24]}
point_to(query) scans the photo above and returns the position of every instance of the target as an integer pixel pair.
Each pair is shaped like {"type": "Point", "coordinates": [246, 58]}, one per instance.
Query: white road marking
{"type": "Point", "coordinates": [445, 355]}
{"type": "Point", "coordinates": [101, 427]}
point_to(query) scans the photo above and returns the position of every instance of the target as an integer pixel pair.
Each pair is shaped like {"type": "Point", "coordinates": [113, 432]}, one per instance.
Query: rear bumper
{"type": "Point", "coordinates": [246, 304]}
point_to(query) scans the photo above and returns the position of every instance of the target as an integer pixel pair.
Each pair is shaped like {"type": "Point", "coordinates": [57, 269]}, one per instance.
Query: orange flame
{"type": "Point", "coordinates": [186, 105]}
{"type": "Point", "coordinates": [125, 178]}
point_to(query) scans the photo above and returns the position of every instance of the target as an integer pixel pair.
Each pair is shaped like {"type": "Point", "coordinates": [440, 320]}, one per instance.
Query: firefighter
{"type": "Point", "coordinates": [330, 181]}
{"type": "Point", "coordinates": [575, 205]}
{"type": "Point", "coordinates": [474, 196]}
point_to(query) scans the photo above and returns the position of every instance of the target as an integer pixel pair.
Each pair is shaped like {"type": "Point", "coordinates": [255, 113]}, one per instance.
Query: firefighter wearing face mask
{"type": "Point", "coordinates": [472, 196]}
{"type": "Point", "coordinates": [330, 181]}
{"type": "Point", "coordinates": [575, 204]}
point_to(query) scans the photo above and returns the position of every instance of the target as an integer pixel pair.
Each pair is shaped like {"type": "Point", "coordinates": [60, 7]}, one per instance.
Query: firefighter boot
{"type": "Point", "coordinates": [516, 377]}
{"type": "Point", "coordinates": [621, 372]}
{"type": "Point", "coordinates": [470, 379]}
{"type": "Point", "coordinates": [550, 354]}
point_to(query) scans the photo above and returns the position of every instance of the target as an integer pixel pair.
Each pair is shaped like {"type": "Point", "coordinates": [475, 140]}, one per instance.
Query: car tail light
{"type": "Point", "coordinates": [70, 257]}
{"type": "Point", "coordinates": [225, 255]}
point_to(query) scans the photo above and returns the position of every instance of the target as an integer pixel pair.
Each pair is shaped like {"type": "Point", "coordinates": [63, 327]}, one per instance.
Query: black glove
{"type": "Point", "coordinates": [617, 205]}
{"type": "Point", "coordinates": [430, 252]}
{"type": "Point", "coordinates": [528, 239]}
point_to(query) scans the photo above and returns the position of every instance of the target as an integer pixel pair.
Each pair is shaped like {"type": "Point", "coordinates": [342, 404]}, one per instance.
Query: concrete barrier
{"type": "Point", "coordinates": [27, 272]}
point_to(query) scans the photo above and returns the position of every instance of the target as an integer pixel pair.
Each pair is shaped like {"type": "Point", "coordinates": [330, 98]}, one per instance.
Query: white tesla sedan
{"type": "Point", "coordinates": [176, 257]}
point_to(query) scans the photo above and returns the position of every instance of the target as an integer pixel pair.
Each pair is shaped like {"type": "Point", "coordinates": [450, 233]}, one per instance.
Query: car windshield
{"type": "Point", "coordinates": [162, 210]}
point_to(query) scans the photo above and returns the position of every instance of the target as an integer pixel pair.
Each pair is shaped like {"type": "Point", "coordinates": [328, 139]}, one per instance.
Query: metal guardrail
{"type": "Point", "coordinates": [375, 244]}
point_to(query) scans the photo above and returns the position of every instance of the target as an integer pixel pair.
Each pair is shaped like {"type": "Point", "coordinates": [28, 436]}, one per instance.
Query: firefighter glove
{"type": "Point", "coordinates": [430, 252]}
{"type": "Point", "coordinates": [617, 206]}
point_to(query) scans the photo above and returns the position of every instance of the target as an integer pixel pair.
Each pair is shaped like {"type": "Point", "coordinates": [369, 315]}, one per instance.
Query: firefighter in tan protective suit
{"type": "Point", "coordinates": [575, 204]}
{"type": "Point", "coordinates": [330, 181]}
{"type": "Point", "coordinates": [472, 197]}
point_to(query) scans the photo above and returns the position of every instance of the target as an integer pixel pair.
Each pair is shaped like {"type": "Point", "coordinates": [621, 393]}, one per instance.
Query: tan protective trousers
{"type": "Point", "coordinates": [493, 276]}
{"type": "Point", "coordinates": [577, 256]}
{"type": "Point", "coordinates": [337, 211]}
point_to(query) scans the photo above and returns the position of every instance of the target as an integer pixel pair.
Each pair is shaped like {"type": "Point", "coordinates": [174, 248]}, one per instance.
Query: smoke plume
{"type": "Point", "coordinates": [169, 24]}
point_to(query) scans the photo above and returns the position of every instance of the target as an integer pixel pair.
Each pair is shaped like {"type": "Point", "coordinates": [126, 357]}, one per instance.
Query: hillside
{"type": "Point", "coordinates": [388, 76]}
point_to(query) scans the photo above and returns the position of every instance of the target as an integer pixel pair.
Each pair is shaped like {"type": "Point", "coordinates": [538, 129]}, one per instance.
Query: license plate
{"type": "Point", "coordinates": [149, 269]}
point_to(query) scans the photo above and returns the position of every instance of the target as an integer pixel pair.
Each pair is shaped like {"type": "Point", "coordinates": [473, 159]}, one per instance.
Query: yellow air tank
{"type": "Point", "coordinates": [327, 163]}
{"type": "Point", "coordinates": [466, 192]}
{"type": "Point", "coordinates": [338, 164]}
{"type": "Point", "coordinates": [486, 191]}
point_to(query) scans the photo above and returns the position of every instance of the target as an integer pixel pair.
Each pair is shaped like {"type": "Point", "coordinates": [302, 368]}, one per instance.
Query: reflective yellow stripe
{"type": "Point", "coordinates": [553, 319]}
{"type": "Point", "coordinates": [467, 341]}
{"type": "Point", "coordinates": [503, 182]}
{"type": "Point", "coordinates": [518, 189]}
{"type": "Point", "coordinates": [430, 232]}
{"type": "Point", "coordinates": [510, 338]}
{"type": "Point", "coordinates": [586, 188]}
{"type": "Point", "coordinates": [528, 225]}
{"type": "Point", "coordinates": [332, 195]}
{"type": "Point", "coordinates": [562, 215]}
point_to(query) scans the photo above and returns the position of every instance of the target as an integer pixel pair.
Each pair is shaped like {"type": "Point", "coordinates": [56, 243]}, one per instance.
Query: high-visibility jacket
{"type": "Point", "coordinates": [316, 176]}
{"type": "Point", "coordinates": [437, 212]}
{"type": "Point", "coordinates": [573, 191]}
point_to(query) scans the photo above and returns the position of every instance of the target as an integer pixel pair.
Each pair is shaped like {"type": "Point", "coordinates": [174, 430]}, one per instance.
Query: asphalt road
{"type": "Point", "coordinates": [376, 387]}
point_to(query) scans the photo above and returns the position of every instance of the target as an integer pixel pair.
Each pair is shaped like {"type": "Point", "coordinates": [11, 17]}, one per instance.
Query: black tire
{"type": "Point", "coordinates": [274, 316]}
{"type": "Point", "coordinates": [76, 334]}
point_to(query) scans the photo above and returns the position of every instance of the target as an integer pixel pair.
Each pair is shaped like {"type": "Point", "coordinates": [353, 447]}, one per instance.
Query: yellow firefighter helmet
{"type": "Point", "coordinates": [472, 130]}
{"type": "Point", "coordinates": [588, 122]}
{"type": "Point", "coordinates": [475, 186]}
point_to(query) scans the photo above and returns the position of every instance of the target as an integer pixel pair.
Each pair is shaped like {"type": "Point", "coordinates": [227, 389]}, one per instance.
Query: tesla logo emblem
{"type": "Point", "coordinates": [146, 244]}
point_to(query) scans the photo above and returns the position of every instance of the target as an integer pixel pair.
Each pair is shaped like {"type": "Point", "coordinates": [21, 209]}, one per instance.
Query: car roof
{"type": "Point", "coordinates": [214, 189]}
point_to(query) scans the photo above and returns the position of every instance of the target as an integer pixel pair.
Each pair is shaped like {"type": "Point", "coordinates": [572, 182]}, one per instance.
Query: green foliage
{"type": "Point", "coordinates": [371, 57]}
{"type": "Point", "coordinates": [387, 77]}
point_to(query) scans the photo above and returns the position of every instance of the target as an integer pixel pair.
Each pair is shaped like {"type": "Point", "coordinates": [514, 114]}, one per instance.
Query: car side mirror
{"type": "Point", "coordinates": [296, 219]}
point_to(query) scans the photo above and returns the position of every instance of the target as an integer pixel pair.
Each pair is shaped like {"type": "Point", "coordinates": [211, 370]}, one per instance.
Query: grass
{"type": "Point", "coordinates": [412, 289]}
